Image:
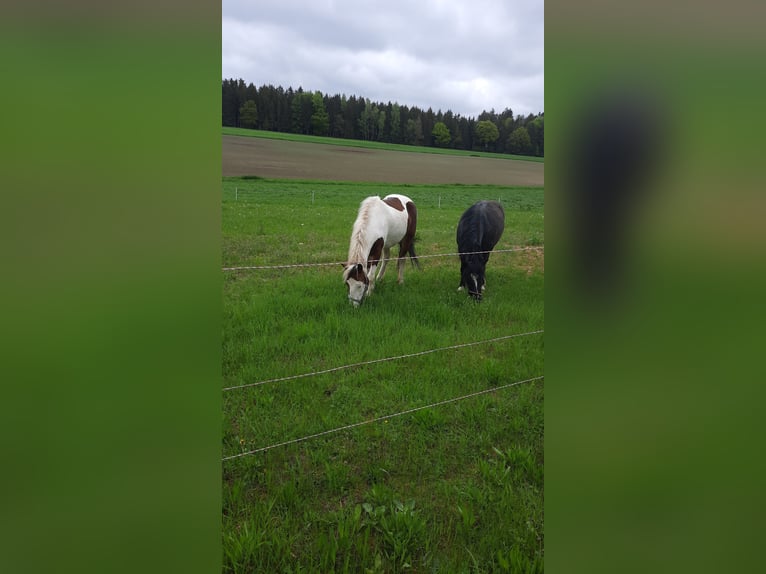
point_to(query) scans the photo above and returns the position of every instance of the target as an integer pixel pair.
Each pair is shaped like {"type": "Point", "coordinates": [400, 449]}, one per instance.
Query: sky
{"type": "Point", "coordinates": [466, 56]}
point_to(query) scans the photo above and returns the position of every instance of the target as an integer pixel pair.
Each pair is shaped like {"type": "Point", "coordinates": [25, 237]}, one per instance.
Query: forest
{"type": "Point", "coordinates": [355, 117]}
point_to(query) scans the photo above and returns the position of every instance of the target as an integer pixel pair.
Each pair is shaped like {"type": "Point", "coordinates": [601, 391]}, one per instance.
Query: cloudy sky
{"type": "Point", "coordinates": [461, 55]}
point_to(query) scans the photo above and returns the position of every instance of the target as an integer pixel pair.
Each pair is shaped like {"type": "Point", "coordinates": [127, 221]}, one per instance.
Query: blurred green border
{"type": "Point", "coordinates": [651, 423]}
{"type": "Point", "coordinates": [111, 293]}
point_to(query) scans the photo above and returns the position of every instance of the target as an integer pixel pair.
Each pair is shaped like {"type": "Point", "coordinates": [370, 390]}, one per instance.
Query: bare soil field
{"type": "Point", "coordinates": [297, 160]}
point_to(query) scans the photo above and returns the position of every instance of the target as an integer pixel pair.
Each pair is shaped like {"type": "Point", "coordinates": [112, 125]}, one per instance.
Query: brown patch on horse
{"type": "Point", "coordinates": [357, 273]}
{"type": "Point", "coordinates": [375, 252]}
{"type": "Point", "coordinates": [395, 202]}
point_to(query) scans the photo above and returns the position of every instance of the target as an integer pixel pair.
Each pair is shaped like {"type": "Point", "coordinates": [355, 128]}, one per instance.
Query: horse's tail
{"type": "Point", "coordinates": [412, 222]}
{"type": "Point", "coordinates": [413, 256]}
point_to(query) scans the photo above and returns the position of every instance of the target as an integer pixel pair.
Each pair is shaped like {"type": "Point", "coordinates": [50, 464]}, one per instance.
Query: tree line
{"type": "Point", "coordinates": [304, 112]}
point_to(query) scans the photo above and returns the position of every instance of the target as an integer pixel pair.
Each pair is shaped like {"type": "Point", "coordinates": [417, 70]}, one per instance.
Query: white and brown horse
{"type": "Point", "coordinates": [380, 224]}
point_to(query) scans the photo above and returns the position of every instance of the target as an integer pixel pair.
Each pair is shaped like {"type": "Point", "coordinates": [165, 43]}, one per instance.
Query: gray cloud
{"type": "Point", "coordinates": [445, 54]}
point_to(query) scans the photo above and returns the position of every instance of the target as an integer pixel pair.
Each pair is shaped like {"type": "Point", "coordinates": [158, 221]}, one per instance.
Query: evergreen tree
{"type": "Point", "coordinates": [335, 108]}
{"type": "Point", "coordinates": [364, 121]}
{"type": "Point", "coordinates": [381, 125]}
{"type": "Point", "coordinates": [396, 131]}
{"type": "Point", "coordinates": [537, 136]}
{"type": "Point", "coordinates": [428, 121]}
{"type": "Point", "coordinates": [351, 118]}
{"type": "Point", "coordinates": [230, 103]}
{"type": "Point", "coordinates": [302, 110]}
{"type": "Point", "coordinates": [466, 131]}
{"type": "Point", "coordinates": [370, 124]}
{"type": "Point", "coordinates": [295, 112]}
{"type": "Point", "coordinates": [414, 131]}
{"type": "Point", "coordinates": [284, 98]}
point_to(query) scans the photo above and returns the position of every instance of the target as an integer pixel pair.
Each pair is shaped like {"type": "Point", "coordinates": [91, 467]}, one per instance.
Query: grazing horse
{"type": "Point", "coordinates": [479, 229]}
{"type": "Point", "coordinates": [380, 224]}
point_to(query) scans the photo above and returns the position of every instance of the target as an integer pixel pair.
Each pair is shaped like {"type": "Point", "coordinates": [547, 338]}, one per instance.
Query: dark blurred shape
{"type": "Point", "coordinates": [615, 144]}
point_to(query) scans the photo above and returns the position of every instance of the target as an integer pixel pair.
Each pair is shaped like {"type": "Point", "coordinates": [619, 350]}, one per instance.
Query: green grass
{"type": "Point", "coordinates": [454, 488]}
{"type": "Point", "coordinates": [371, 144]}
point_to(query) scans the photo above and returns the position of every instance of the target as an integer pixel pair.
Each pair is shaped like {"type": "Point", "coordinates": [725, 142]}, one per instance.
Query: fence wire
{"type": "Point", "coordinates": [373, 361]}
{"type": "Point", "coordinates": [379, 419]}
{"type": "Point", "coordinates": [336, 263]}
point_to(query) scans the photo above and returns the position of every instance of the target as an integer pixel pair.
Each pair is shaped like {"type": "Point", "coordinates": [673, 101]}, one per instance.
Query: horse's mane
{"type": "Point", "coordinates": [473, 231]}
{"type": "Point", "coordinates": [358, 250]}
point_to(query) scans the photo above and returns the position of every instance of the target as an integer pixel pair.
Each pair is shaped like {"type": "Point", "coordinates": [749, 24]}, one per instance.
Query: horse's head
{"type": "Point", "coordinates": [473, 278]}
{"type": "Point", "coordinates": [357, 283]}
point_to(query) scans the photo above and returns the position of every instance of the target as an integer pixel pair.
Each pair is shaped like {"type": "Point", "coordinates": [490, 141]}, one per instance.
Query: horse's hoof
{"type": "Point", "coordinates": [460, 288]}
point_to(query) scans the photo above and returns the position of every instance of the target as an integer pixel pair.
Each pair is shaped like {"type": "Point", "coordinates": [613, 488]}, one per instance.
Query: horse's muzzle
{"type": "Point", "coordinates": [476, 296]}
{"type": "Point", "coordinates": [357, 302]}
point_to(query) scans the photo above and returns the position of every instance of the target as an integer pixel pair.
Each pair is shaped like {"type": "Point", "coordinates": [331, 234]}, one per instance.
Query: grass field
{"type": "Point", "coordinates": [229, 131]}
{"type": "Point", "coordinates": [453, 488]}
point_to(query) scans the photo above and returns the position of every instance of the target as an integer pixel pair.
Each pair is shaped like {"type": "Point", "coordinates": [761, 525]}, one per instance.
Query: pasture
{"type": "Point", "coordinates": [457, 487]}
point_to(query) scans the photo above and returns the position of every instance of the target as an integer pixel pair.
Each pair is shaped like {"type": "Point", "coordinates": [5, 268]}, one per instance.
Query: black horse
{"type": "Point", "coordinates": [479, 229]}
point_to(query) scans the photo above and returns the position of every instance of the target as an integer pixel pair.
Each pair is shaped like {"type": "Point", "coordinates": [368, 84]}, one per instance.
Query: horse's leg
{"type": "Point", "coordinates": [384, 263]}
{"type": "Point", "coordinates": [371, 277]}
{"type": "Point", "coordinates": [400, 264]}
{"type": "Point", "coordinates": [486, 259]}
{"type": "Point", "coordinates": [374, 260]}
{"type": "Point", "coordinates": [462, 266]}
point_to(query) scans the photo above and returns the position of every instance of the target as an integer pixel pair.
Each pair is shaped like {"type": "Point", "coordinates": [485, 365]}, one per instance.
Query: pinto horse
{"type": "Point", "coordinates": [479, 229]}
{"type": "Point", "coordinates": [380, 224]}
